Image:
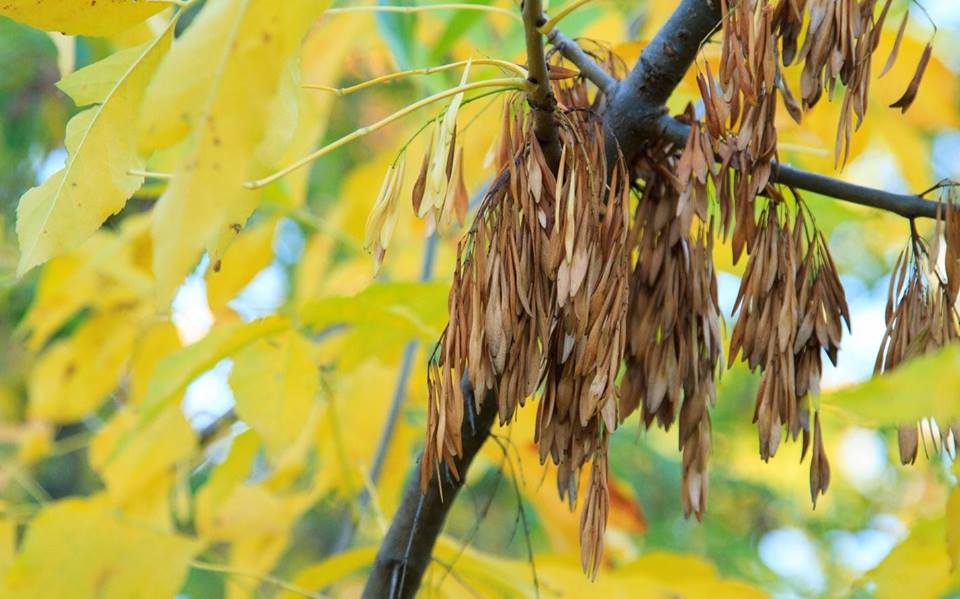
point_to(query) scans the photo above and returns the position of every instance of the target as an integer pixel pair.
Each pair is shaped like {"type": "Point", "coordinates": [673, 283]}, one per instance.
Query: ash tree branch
{"type": "Point", "coordinates": [406, 551]}
{"type": "Point", "coordinates": [908, 206]}
{"type": "Point", "coordinates": [542, 102]}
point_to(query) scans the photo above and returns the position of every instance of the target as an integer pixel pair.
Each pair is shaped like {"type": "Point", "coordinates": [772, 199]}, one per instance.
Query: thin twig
{"type": "Point", "coordinates": [572, 51]}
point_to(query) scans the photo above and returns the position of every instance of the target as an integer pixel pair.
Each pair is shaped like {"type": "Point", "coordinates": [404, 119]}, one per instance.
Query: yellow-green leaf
{"type": "Point", "coordinates": [80, 17]}
{"type": "Point", "coordinates": [71, 205]}
{"type": "Point", "coordinates": [81, 548]}
{"type": "Point", "coordinates": [927, 386]}
{"type": "Point", "coordinates": [275, 383]}
{"type": "Point", "coordinates": [226, 100]}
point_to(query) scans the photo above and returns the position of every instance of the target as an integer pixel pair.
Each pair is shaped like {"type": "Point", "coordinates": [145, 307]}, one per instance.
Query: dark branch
{"type": "Point", "coordinates": [637, 102]}
{"type": "Point", "coordinates": [909, 206]}
{"type": "Point", "coordinates": [542, 102]}
{"type": "Point", "coordinates": [572, 51]}
{"type": "Point", "coordinates": [407, 549]}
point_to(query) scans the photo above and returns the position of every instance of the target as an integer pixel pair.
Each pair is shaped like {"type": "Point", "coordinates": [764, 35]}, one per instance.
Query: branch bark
{"type": "Point", "coordinates": [407, 549]}
{"type": "Point", "coordinates": [542, 102]}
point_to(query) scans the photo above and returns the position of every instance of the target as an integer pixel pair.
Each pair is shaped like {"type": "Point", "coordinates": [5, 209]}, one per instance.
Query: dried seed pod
{"type": "Point", "coordinates": [539, 299]}
{"type": "Point", "coordinates": [921, 316]}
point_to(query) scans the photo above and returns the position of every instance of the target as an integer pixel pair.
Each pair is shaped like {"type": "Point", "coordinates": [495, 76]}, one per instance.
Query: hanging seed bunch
{"type": "Point", "coordinates": [539, 299]}
{"type": "Point", "coordinates": [791, 308]}
{"type": "Point", "coordinates": [921, 314]}
{"type": "Point", "coordinates": [674, 348]}
{"type": "Point", "coordinates": [841, 36]}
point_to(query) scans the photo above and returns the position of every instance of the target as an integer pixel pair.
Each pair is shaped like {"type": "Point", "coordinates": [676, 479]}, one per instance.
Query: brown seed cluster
{"type": "Point", "coordinates": [921, 312]}
{"type": "Point", "coordinates": [791, 307]}
{"type": "Point", "coordinates": [674, 348]}
{"type": "Point", "coordinates": [760, 36]}
{"type": "Point", "coordinates": [556, 286]}
{"type": "Point", "coordinates": [539, 300]}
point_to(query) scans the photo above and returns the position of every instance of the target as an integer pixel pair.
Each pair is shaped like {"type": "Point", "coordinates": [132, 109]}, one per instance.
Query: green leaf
{"type": "Point", "coordinates": [927, 386]}
{"type": "Point", "coordinates": [399, 31]}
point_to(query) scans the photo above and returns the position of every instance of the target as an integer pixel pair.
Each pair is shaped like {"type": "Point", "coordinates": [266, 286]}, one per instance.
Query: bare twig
{"type": "Point", "coordinates": [572, 51]}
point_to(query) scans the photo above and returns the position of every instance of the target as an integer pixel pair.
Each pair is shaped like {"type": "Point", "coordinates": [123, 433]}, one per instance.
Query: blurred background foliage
{"type": "Point", "coordinates": [270, 488]}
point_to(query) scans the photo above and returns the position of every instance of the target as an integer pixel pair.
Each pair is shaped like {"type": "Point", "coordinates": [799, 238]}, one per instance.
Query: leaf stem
{"type": "Point", "coordinates": [343, 91]}
{"type": "Point", "coordinates": [150, 174]}
{"type": "Point", "coordinates": [509, 82]}
{"type": "Point", "coordinates": [551, 23]}
{"type": "Point", "coordinates": [424, 8]}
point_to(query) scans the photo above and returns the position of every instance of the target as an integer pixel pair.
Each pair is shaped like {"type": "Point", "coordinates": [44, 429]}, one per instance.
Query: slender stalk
{"type": "Point", "coordinates": [551, 23]}
{"type": "Point", "coordinates": [424, 8]}
{"type": "Point", "coordinates": [509, 82]}
{"type": "Point", "coordinates": [149, 174]}
{"type": "Point", "coordinates": [344, 91]}
{"type": "Point", "coordinates": [541, 99]}
{"type": "Point", "coordinates": [572, 51]}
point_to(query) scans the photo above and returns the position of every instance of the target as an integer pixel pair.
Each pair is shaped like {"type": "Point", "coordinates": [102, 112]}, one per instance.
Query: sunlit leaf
{"type": "Point", "coordinates": [101, 146]}
{"type": "Point", "coordinates": [80, 17]}
{"type": "Point", "coordinates": [81, 548]}
{"type": "Point", "coordinates": [927, 386]}
{"type": "Point", "coordinates": [281, 369]}
{"type": "Point", "coordinates": [225, 100]}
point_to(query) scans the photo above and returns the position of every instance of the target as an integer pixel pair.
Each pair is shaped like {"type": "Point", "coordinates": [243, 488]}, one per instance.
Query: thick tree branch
{"type": "Point", "coordinates": [542, 102]}
{"type": "Point", "coordinates": [407, 549]}
{"type": "Point", "coordinates": [637, 102]}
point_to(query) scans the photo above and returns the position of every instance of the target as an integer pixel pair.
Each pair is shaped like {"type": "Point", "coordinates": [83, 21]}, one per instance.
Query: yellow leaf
{"type": "Point", "coordinates": [226, 100]}
{"type": "Point", "coordinates": [333, 569]}
{"type": "Point", "coordinates": [174, 372]}
{"type": "Point", "coordinates": [150, 455]}
{"type": "Point", "coordinates": [231, 507]}
{"type": "Point", "coordinates": [74, 376]}
{"type": "Point", "coordinates": [275, 384]}
{"type": "Point", "coordinates": [80, 548]}
{"type": "Point", "coordinates": [101, 273]}
{"type": "Point", "coordinates": [35, 442]}
{"type": "Point", "coordinates": [8, 542]}
{"type": "Point", "coordinates": [159, 340]}
{"type": "Point", "coordinates": [953, 527]}
{"type": "Point", "coordinates": [68, 207]}
{"type": "Point", "coordinates": [80, 17]}
{"type": "Point", "coordinates": [248, 255]}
